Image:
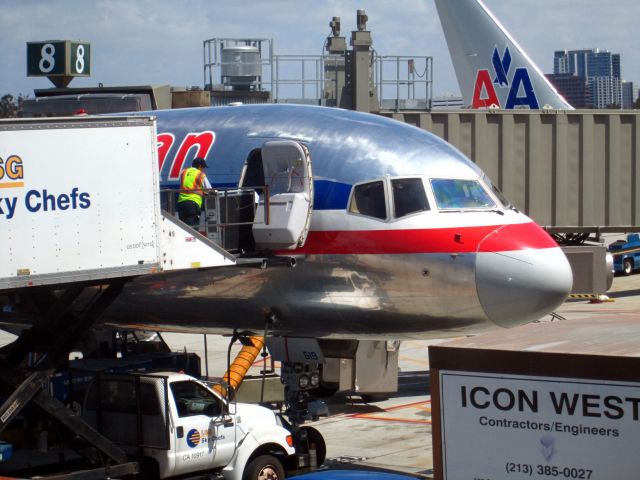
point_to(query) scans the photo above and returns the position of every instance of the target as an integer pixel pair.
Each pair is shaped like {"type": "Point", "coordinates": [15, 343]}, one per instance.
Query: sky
{"type": "Point", "coordinates": [158, 42]}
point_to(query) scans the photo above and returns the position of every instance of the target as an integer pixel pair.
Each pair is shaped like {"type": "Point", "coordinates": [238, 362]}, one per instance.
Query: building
{"type": "Point", "coordinates": [573, 88]}
{"type": "Point", "coordinates": [606, 92]}
{"type": "Point", "coordinates": [599, 69]}
{"type": "Point", "coordinates": [628, 95]}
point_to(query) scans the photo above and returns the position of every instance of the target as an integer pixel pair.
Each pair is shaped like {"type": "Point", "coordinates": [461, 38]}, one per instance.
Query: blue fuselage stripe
{"type": "Point", "coordinates": [328, 195]}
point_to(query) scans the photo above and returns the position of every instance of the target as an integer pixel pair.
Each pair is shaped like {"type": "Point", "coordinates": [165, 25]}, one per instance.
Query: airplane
{"type": "Point", "coordinates": [365, 229]}
{"type": "Point", "coordinates": [492, 69]}
{"type": "Point", "coordinates": [399, 235]}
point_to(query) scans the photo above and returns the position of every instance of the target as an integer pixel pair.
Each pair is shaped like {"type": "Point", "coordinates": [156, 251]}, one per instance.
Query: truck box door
{"type": "Point", "coordinates": [205, 438]}
{"type": "Point", "coordinates": [287, 173]}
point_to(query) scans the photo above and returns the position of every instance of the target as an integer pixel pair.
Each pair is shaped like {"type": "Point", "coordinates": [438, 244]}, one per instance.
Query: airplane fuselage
{"type": "Point", "coordinates": [407, 237]}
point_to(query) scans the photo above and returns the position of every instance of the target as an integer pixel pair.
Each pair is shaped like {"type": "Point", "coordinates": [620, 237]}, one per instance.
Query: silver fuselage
{"type": "Point", "coordinates": [426, 274]}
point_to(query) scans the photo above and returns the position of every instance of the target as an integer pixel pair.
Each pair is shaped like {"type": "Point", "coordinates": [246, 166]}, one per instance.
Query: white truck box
{"type": "Point", "coordinates": [79, 201]}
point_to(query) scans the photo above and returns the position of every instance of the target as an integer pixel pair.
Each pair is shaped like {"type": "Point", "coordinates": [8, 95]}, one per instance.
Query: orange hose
{"type": "Point", "coordinates": [243, 361]}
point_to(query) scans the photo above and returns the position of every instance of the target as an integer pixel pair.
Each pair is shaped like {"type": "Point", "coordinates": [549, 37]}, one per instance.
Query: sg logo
{"type": "Point", "coordinates": [12, 169]}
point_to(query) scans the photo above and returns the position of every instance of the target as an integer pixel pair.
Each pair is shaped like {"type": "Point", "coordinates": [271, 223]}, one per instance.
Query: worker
{"type": "Point", "coordinates": [193, 183]}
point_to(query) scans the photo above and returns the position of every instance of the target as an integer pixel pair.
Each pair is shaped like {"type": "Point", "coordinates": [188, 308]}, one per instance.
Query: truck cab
{"type": "Point", "coordinates": [180, 425]}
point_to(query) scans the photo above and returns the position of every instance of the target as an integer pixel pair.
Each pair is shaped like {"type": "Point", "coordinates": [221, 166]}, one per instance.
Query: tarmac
{"type": "Point", "coordinates": [394, 435]}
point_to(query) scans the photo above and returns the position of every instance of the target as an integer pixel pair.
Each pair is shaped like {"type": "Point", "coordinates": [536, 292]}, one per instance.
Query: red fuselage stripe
{"type": "Point", "coordinates": [510, 237]}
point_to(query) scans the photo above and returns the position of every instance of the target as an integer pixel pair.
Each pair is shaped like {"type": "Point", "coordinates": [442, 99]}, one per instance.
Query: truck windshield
{"type": "Point", "coordinates": [193, 399]}
{"type": "Point", "coordinates": [460, 194]}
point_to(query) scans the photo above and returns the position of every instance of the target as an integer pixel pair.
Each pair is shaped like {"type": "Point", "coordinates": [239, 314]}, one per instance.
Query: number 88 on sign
{"type": "Point", "coordinates": [58, 58]}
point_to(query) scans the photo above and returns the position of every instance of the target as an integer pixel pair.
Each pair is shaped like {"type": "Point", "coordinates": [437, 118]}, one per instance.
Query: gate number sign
{"type": "Point", "coordinates": [58, 58]}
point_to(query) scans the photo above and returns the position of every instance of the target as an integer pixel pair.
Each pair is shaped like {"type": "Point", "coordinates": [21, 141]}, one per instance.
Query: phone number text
{"type": "Point", "coordinates": [548, 470]}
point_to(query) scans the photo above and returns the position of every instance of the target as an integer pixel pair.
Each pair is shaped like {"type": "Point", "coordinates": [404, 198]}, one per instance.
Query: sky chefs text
{"type": "Point", "coordinates": [12, 174]}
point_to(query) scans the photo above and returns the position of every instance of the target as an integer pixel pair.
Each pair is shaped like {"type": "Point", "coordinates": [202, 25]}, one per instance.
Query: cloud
{"type": "Point", "coordinates": [544, 26]}
{"type": "Point", "coordinates": [160, 41]}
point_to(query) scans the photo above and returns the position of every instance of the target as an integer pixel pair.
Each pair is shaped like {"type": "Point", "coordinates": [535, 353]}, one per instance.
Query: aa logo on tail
{"type": "Point", "coordinates": [520, 87]}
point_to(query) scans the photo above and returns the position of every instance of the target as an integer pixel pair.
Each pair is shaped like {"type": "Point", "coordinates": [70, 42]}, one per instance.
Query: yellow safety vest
{"type": "Point", "coordinates": [191, 179]}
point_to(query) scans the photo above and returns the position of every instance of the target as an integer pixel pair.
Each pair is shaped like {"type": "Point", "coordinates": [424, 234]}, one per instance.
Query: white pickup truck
{"type": "Point", "coordinates": [179, 426]}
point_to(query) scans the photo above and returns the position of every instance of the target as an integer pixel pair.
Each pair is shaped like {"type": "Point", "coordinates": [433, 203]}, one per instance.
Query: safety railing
{"type": "Point", "coordinates": [227, 213]}
{"type": "Point", "coordinates": [404, 82]}
{"type": "Point", "coordinates": [169, 200]}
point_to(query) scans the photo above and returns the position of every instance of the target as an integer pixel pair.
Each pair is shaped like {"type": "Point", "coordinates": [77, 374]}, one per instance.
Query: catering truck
{"type": "Point", "coordinates": [79, 202]}
{"type": "Point", "coordinates": [81, 216]}
{"type": "Point", "coordinates": [177, 425]}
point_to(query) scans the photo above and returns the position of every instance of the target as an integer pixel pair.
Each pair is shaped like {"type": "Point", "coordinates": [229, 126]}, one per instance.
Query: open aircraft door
{"type": "Point", "coordinates": [284, 223]}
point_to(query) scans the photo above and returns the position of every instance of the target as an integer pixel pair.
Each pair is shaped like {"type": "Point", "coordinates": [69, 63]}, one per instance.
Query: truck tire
{"type": "Point", "coordinates": [315, 438]}
{"type": "Point", "coordinates": [628, 266]}
{"type": "Point", "coordinates": [264, 467]}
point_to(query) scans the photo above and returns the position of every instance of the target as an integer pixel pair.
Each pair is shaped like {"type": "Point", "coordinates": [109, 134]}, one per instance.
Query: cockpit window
{"type": "Point", "coordinates": [368, 199]}
{"type": "Point", "coordinates": [460, 194]}
{"type": "Point", "coordinates": [498, 193]}
{"type": "Point", "coordinates": [408, 196]}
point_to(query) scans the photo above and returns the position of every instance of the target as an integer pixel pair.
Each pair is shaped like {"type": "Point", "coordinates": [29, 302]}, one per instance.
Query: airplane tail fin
{"type": "Point", "coordinates": [491, 68]}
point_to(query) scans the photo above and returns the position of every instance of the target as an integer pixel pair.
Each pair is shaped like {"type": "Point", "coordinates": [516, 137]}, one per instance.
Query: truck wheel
{"type": "Point", "coordinates": [264, 467]}
{"type": "Point", "coordinates": [628, 266]}
{"type": "Point", "coordinates": [314, 437]}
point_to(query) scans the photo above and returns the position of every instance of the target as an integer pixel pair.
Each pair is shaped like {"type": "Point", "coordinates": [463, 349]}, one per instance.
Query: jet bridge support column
{"type": "Point", "coordinates": [364, 92]}
{"type": "Point", "coordinates": [335, 94]}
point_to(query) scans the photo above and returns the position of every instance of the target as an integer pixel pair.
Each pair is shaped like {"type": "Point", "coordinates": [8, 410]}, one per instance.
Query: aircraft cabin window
{"type": "Point", "coordinates": [280, 181]}
{"type": "Point", "coordinates": [460, 194]}
{"type": "Point", "coordinates": [193, 399]}
{"type": "Point", "coordinates": [368, 199]}
{"type": "Point", "coordinates": [408, 196]}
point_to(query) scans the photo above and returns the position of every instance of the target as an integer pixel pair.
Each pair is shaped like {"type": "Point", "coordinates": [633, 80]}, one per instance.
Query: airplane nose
{"type": "Point", "coordinates": [521, 275]}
